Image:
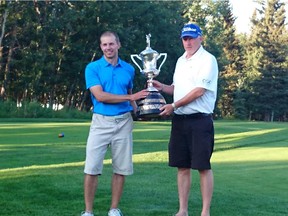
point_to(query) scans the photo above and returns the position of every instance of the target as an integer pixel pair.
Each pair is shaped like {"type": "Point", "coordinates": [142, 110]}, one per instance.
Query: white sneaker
{"type": "Point", "coordinates": [115, 212]}
{"type": "Point", "coordinates": [87, 214]}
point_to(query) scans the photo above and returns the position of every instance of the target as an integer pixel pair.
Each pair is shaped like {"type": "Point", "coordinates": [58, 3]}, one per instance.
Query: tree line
{"type": "Point", "coordinates": [45, 46]}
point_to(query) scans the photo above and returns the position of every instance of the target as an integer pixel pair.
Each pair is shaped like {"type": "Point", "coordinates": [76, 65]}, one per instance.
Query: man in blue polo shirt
{"type": "Point", "coordinates": [110, 81]}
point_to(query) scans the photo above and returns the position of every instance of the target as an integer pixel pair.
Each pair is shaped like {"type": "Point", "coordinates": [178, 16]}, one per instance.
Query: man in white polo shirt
{"type": "Point", "coordinates": [194, 90]}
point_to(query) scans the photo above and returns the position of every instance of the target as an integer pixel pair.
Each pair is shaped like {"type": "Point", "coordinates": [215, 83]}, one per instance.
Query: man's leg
{"type": "Point", "coordinates": [184, 183]}
{"type": "Point", "coordinates": [90, 186]}
{"type": "Point", "coordinates": [117, 189]}
{"type": "Point", "coordinates": [207, 183]}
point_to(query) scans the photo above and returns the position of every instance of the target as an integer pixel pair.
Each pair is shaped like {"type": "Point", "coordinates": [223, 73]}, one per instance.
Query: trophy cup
{"type": "Point", "coordinates": [149, 106]}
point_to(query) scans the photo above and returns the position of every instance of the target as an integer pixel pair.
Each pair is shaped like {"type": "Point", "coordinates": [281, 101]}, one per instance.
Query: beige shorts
{"type": "Point", "coordinates": [113, 131]}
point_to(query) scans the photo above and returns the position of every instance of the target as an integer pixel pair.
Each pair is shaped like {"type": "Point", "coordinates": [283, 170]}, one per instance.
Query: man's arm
{"type": "Point", "coordinates": [191, 96]}
{"type": "Point", "coordinates": [106, 97]}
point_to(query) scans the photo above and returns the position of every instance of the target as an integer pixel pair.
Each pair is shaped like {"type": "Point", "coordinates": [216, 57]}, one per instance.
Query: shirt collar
{"type": "Point", "coordinates": [106, 63]}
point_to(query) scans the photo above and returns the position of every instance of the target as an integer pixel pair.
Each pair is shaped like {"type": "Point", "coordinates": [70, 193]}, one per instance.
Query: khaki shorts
{"type": "Point", "coordinates": [113, 131]}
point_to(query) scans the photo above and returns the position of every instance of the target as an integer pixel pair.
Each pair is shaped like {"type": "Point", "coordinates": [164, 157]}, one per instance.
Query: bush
{"type": "Point", "coordinates": [9, 109]}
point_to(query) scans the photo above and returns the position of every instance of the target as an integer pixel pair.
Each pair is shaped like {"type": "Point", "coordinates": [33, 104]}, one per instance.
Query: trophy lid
{"type": "Point", "coordinates": [148, 50]}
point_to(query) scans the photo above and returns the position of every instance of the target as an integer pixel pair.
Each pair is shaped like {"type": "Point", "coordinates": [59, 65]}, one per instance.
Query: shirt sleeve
{"type": "Point", "coordinates": [91, 75]}
{"type": "Point", "coordinates": [208, 74]}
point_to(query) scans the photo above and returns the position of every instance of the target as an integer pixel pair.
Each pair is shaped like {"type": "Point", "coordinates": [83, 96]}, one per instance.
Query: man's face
{"type": "Point", "coordinates": [191, 45]}
{"type": "Point", "coordinates": [109, 46]}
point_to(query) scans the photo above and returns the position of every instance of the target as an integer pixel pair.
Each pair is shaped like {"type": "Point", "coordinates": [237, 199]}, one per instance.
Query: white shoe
{"type": "Point", "coordinates": [115, 212]}
{"type": "Point", "coordinates": [87, 214]}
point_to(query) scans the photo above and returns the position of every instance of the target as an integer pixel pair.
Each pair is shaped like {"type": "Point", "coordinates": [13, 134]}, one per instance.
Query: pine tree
{"type": "Point", "coordinates": [231, 77]}
{"type": "Point", "coordinates": [269, 89]}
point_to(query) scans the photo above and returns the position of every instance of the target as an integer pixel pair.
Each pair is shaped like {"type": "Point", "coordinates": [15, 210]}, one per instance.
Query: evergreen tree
{"type": "Point", "coordinates": [232, 75]}
{"type": "Point", "coordinates": [269, 89]}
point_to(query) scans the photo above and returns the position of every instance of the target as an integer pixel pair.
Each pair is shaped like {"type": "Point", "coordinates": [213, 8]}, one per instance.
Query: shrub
{"type": "Point", "coordinates": [9, 109]}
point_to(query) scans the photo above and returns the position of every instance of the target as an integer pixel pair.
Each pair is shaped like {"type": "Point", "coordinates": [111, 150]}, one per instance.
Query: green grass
{"type": "Point", "coordinates": [41, 174]}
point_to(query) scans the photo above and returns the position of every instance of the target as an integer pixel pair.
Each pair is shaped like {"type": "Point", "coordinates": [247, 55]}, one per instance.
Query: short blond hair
{"type": "Point", "coordinates": [109, 33]}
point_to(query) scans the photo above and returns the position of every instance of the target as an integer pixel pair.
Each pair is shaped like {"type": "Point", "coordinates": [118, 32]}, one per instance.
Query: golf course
{"type": "Point", "coordinates": [41, 173]}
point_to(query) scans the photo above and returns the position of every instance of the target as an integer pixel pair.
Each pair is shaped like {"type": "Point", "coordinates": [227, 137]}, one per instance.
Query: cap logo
{"type": "Point", "coordinates": [189, 29]}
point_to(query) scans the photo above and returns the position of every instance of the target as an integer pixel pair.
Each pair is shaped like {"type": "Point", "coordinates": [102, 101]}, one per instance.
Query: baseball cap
{"type": "Point", "coordinates": [191, 30]}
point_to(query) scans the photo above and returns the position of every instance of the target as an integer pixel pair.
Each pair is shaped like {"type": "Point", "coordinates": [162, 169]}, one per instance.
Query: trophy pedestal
{"type": "Point", "coordinates": [149, 107]}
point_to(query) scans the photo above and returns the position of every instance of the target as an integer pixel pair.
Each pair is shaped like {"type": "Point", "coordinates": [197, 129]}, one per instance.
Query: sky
{"type": "Point", "coordinates": [243, 10]}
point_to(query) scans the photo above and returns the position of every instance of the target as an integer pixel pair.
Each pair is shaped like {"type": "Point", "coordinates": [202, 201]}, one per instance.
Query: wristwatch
{"type": "Point", "coordinates": [174, 106]}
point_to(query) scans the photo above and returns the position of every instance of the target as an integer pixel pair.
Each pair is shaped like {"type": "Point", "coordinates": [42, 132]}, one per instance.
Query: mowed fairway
{"type": "Point", "coordinates": [41, 174]}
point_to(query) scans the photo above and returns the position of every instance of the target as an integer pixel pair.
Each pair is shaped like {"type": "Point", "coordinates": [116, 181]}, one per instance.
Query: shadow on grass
{"type": "Point", "coordinates": [41, 174]}
{"type": "Point", "coordinates": [254, 188]}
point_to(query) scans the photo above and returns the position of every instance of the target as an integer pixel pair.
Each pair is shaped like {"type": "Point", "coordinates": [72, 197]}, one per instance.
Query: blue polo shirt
{"type": "Point", "coordinates": [113, 79]}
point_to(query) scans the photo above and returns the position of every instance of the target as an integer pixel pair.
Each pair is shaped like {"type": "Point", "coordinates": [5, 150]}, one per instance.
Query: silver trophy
{"type": "Point", "coordinates": [149, 107]}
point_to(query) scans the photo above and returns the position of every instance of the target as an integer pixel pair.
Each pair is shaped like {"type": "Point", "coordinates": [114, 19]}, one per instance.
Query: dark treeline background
{"type": "Point", "coordinates": [45, 46]}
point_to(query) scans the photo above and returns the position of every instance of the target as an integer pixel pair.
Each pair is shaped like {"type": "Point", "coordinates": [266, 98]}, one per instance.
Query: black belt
{"type": "Point", "coordinates": [193, 116]}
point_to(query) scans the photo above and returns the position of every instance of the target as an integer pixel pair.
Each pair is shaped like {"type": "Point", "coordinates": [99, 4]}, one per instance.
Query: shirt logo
{"type": "Point", "coordinates": [206, 81]}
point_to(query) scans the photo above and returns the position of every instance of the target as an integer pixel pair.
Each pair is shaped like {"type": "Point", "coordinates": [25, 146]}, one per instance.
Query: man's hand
{"type": "Point", "coordinates": [157, 85]}
{"type": "Point", "coordinates": [166, 110]}
{"type": "Point", "coordinates": [139, 95]}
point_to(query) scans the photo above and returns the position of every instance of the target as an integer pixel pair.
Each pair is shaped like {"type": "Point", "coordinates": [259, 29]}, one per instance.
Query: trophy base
{"type": "Point", "coordinates": [149, 107]}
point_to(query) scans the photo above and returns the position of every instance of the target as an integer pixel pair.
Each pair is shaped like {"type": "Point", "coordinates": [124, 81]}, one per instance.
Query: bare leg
{"type": "Point", "coordinates": [117, 188]}
{"type": "Point", "coordinates": [207, 183]}
{"type": "Point", "coordinates": [184, 183]}
{"type": "Point", "coordinates": [90, 187]}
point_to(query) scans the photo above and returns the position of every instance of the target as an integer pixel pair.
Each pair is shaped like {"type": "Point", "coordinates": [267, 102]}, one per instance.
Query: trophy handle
{"type": "Point", "coordinates": [164, 59]}
{"type": "Point", "coordinates": [137, 56]}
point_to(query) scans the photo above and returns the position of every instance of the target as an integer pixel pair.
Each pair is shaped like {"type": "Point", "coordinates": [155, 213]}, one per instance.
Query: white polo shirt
{"type": "Point", "coordinates": [200, 70]}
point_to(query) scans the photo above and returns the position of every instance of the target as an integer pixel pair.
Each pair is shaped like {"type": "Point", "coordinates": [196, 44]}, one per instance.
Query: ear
{"type": "Point", "coordinates": [100, 45]}
{"type": "Point", "coordinates": [201, 38]}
